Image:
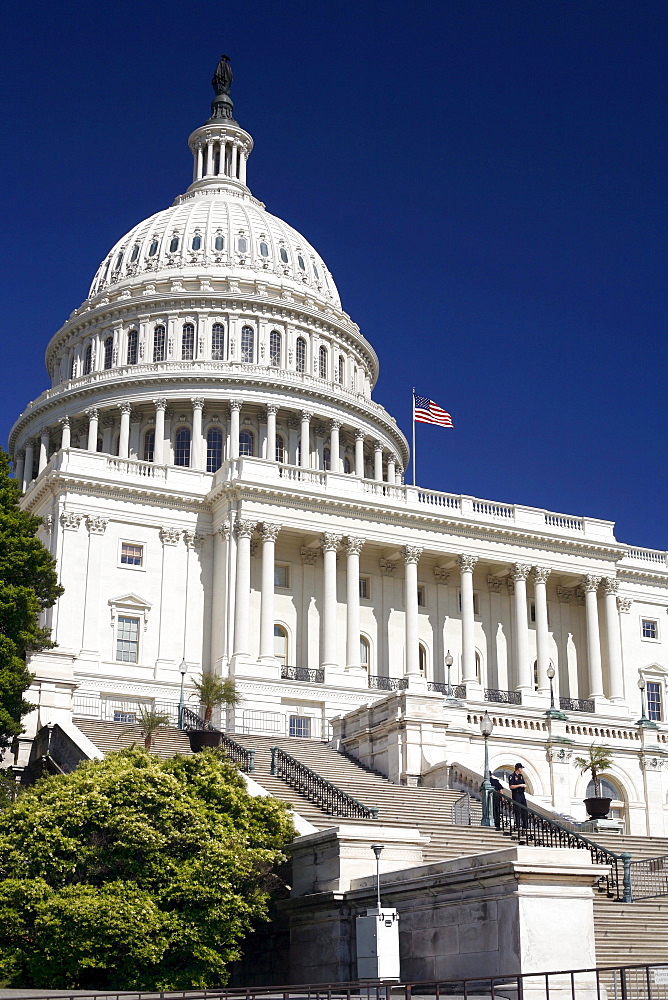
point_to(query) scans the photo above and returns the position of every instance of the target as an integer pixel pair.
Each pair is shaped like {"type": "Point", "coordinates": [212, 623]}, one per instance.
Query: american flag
{"type": "Point", "coordinates": [426, 411]}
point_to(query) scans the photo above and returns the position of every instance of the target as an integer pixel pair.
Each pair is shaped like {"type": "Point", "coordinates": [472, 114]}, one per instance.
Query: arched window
{"type": "Point", "coordinates": [118, 262]}
{"type": "Point", "coordinates": [422, 659]}
{"type": "Point", "coordinates": [264, 249]}
{"type": "Point", "coordinates": [300, 262]}
{"type": "Point", "coordinates": [159, 343]}
{"type": "Point", "coordinates": [322, 365]}
{"type": "Point", "coordinates": [342, 370]}
{"type": "Point", "coordinates": [284, 255]}
{"type": "Point", "coordinates": [275, 349]}
{"type": "Point", "coordinates": [247, 345]}
{"type": "Point", "coordinates": [242, 245]}
{"type": "Point", "coordinates": [217, 342]}
{"type": "Point", "coordinates": [135, 253]}
{"type": "Point", "coordinates": [153, 249]}
{"type": "Point", "coordinates": [503, 774]}
{"type": "Point", "coordinates": [149, 446]}
{"type": "Point", "coordinates": [301, 354]}
{"type": "Point", "coordinates": [478, 666]}
{"type": "Point", "coordinates": [219, 243]}
{"type": "Point", "coordinates": [365, 652]}
{"type": "Point", "coordinates": [280, 448]}
{"type": "Point", "coordinates": [214, 449]}
{"type": "Point", "coordinates": [182, 447]}
{"type": "Point", "coordinates": [281, 644]}
{"type": "Point", "coordinates": [608, 790]}
{"type": "Point", "coordinates": [133, 338]}
{"type": "Point", "coordinates": [88, 360]}
{"type": "Point", "coordinates": [326, 459]}
{"type": "Point", "coordinates": [108, 352]}
{"type": "Point", "coordinates": [246, 443]}
{"type": "Point", "coordinates": [188, 342]}
{"type": "Point", "coordinates": [196, 243]}
{"type": "Point", "coordinates": [174, 244]}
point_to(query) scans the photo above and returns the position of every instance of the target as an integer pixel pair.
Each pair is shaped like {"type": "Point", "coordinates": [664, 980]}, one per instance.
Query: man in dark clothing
{"type": "Point", "coordinates": [518, 788]}
{"type": "Point", "coordinates": [496, 800]}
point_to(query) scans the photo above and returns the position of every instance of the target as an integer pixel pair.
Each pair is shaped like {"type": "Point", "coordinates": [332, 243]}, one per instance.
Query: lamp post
{"type": "Point", "coordinates": [377, 850]}
{"type": "Point", "coordinates": [486, 727]}
{"type": "Point", "coordinates": [552, 712]}
{"type": "Point", "coordinates": [449, 698]}
{"type": "Point", "coordinates": [183, 670]}
{"type": "Point", "coordinates": [643, 720]}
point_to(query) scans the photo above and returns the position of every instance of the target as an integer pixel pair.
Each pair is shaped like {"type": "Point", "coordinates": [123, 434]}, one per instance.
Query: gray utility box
{"type": "Point", "coordinates": [378, 944]}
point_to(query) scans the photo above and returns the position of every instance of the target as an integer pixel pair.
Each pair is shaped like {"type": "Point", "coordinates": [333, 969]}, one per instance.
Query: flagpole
{"type": "Point", "coordinates": [413, 399]}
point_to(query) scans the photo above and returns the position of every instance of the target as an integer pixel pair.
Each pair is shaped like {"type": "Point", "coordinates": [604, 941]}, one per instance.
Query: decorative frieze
{"type": "Point", "coordinates": [648, 763]}
{"type": "Point", "coordinates": [561, 755]}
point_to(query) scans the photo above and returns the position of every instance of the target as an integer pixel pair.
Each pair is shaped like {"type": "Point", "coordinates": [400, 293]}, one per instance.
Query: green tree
{"type": "Point", "coordinates": [150, 721]}
{"type": "Point", "coordinates": [135, 873]}
{"type": "Point", "coordinates": [28, 585]}
{"type": "Point", "coordinates": [213, 691]}
{"type": "Point", "coordinates": [598, 759]}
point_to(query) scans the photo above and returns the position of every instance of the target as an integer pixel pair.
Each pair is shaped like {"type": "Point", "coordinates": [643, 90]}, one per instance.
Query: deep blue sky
{"type": "Point", "coordinates": [486, 180]}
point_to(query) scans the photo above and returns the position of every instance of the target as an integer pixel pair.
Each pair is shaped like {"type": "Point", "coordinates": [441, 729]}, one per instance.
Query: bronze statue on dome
{"type": "Point", "coordinates": [222, 77]}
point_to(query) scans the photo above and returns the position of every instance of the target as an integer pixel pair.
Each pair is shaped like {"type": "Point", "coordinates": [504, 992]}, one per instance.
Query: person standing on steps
{"type": "Point", "coordinates": [496, 799]}
{"type": "Point", "coordinates": [518, 788]}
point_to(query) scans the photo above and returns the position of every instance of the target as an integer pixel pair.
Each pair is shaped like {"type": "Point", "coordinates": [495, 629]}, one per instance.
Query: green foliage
{"type": "Point", "coordinates": [598, 759]}
{"type": "Point", "coordinates": [150, 722]}
{"type": "Point", "coordinates": [135, 873]}
{"type": "Point", "coordinates": [28, 585]}
{"type": "Point", "coordinates": [213, 691]}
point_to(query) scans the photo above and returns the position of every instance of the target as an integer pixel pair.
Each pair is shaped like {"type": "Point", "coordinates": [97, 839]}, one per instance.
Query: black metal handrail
{"type": "Point", "coordinates": [503, 697]}
{"type": "Point", "coordinates": [387, 683]}
{"type": "Point", "coordinates": [302, 674]}
{"type": "Point", "coordinates": [240, 755]}
{"type": "Point", "coordinates": [527, 826]}
{"type": "Point", "coordinates": [577, 704]}
{"type": "Point", "coordinates": [317, 789]}
{"type": "Point", "coordinates": [456, 690]}
{"type": "Point", "coordinates": [649, 878]}
{"type": "Point", "coordinates": [191, 720]}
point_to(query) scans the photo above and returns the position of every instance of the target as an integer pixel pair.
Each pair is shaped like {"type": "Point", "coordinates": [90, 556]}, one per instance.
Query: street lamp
{"type": "Point", "coordinates": [486, 727]}
{"type": "Point", "coordinates": [377, 850]}
{"type": "Point", "coordinates": [448, 663]}
{"type": "Point", "coordinates": [552, 712]}
{"type": "Point", "coordinates": [643, 720]}
{"type": "Point", "coordinates": [183, 670]}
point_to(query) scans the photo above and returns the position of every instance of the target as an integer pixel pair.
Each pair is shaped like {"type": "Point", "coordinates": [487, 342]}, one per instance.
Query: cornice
{"type": "Point", "coordinates": [57, 482]}
{"type": "Point", "coordinates": [627, 575]}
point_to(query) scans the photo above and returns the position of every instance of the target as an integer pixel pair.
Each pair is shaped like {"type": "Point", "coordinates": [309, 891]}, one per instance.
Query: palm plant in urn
{"type": "Point", "coordinates": [597, 760]}
{"type": "Point", "coordinates": [212, 692]}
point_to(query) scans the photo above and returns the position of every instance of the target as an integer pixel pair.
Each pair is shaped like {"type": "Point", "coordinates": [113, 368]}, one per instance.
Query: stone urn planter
{"type": "Point", "coordinates": [597, 808]}
{"type": "Point", "coordinates": [202, 738]}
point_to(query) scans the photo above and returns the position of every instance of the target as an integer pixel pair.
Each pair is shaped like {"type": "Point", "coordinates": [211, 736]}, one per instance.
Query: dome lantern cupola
{"type": "Point", "coordinates": [220, 147]}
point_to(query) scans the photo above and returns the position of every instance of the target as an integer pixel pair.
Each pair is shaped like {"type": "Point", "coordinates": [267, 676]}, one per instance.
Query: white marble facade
{"type": "Point", "coordinates": [218, 486]}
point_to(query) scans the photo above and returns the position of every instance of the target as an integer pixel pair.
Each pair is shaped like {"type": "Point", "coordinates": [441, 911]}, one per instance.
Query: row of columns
{"type": "Point", "coordinates": [331, 542]}
{"type": "Point", "coordinates": [231, 157]}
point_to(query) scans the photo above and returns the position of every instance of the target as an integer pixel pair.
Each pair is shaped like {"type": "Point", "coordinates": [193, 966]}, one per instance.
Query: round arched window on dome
{"type": "Point", "coordinates": [153, 249]}
{"type": "Point", "coordinates": [264, 249]}
{"type": "Point", "coordinates": [246, 442]}
{"type": "Point", "coordinates": [315, 271]}
{"type": "Point", "coordinates": [214, 449]}
{"type": "Point", "coordinates": [341, 370]}
{"type": "Point", "coordinates": [242, 244]}
{"type": "Point", "coordinates": [322, 362]}
{"type": "Point", "coordinates": [182, 447]}
{"type": "Point", "coordinates": [174, 244]}
{"type": "Point", "coordinates": [275, 352]}
{"type": "Point", "coordinates": [118, 262]}
{"type": "Point", "coordinates": [196, 243]}
{"type": "Point", "coordinates": [219, 243]}
{"type": "Point", "coordinates": [217, 342]}
{"type": "Point", "coordinates": [131, 357]}
{"type": "Point", "coordinates": [247, 345]}
{"type": "Point", "coordinates": [188, 342]}
{"type": "Point", "coordinates": [88, 360]}
{"type": "Point", "coordinates": [300, 261]}
{"type": "Point", "coordinates": [300, 354]}
{"type": "Point", "coordinates": [135, 253]}
{"type": "Point", "coordinates": [284, 255]}
{"type": "Point", "coordinates": [159, 343]}
{"type": "Point", "coordinates": [108, 352]}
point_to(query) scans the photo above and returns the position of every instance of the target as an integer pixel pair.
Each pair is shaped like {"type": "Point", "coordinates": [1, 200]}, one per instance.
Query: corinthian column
{"type": "Point", "coordinates": [330, 544]}
{"type": "Point", "coordinates": [269, 535]}
{"type": "Point", "coordinates": [391, 468]}
{"type": "Point", "coordinates": [412, 555]}
{"type": "Point", "coordinates": [43, 449]}
{"type": "Point", "coordinates": [540, 575]}
{"type": "Point", "coordinates": [305, 444]}
{"type": "Point", "coordinates": [235, 407]}
{"type": "Point", "coordinates": [590, 587]}
{"type": "Point", "coordinates": [93, 416]}
{"type": "Point", "coordinates": [334, 445]}
{"type": "Point", "coordinates": [242, 598]}
{"type": "Point", "coordinates": [378, 462]}
{"type": "Point", "coordinates": [466, 566]}
{"type": "Point", "coordinates": [613, 640]}
{"type": "Point", "coordinates": [272, 410]}
{"type": "Point", "coordinates": [198, 444]}
{"type": "Point", "coordinates": [359, 453]}
{"type": "Point", "coordinates": [27, 465]}
{"type": "Point", "coordinates": [65, 439]}
{"type": "Point", "coordinates": [519, 573]}
{"type": "Point", "coordinates": [124, 439]}
{"type": "Point", "coordinates": [353, 548]}
{"type": "Point", "coordinates": [159, 437]}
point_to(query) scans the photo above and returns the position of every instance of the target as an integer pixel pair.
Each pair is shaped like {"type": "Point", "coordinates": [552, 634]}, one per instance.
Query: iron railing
{"type": "Point", "coordinates": [302, 674]}
{"type": "Point", "coordinates": [317, 789]}
{"type": "Point", "coordinates": [456, 690]}
{"type": "Point", "coordinates": [577, 704]}
{"type": "Point", "coordinates": [467, 811]}
{"type": "Point", "coordinates": [192, 721]}
{"type": "Point", "coordinates": [240, 755]}
{"type": "Point", "coordinates": [388, 683]}
{"type": "Point", "coordinates": [503, 697]}
{"type": "Point", "coordinates": [649, 878]}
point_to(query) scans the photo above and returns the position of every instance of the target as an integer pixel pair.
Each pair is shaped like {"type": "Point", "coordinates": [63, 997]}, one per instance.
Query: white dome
{"type": "Point", "coordinates": [217, 233]}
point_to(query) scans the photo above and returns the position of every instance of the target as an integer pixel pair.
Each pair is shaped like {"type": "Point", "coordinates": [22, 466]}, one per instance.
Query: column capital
{"type": "Point", "coordinates": [193, 539]}
{"type": "Point", "coordinates": [44, 431]}
{"type": "Point", "coordinates": [494, 584]}
{"type": "Point", "coordinates": [97, 525]}
{"type": "Point", "coordinates": [378, 446]}
{"type": "Point", "coordinates": [610, 586]}
{"type": "Point", "coordinates": [269, 531]}
{"type": "Point", "coordinates": [160, 404]}
{"type": "Point", "coordinates": [306, 416]}
{"type": "Point", "coordinates": [308, 555]}
{"type": "Point", "coordinates": [412, 554]}
{"type": "Point", "coordinates": [64, 421]}
{"type": "Point", "coordinates": [520, 571]}
{"type": "Point", "coordinates": [330, 541]}
{"type": "Point", "coordinates": [92, 412]}
{"type": "Point", "coordinates": [108, 420]}
{"type": "Point", "coordinates": [467, 563]}
{"type": "Point", "coordinates": [624, 604]}
{"type": "Point", "coordinates": [590, 583]}
{"type": "Point", "coordinates": [125, 407]}
{"type": "Point", "coordinates": [335, 424]}
{"type": "Point", "coordinates": [244, 528]}
{"type": "Point", "coordinates": [197, 402]}
{"type": "Point", "coordinates": [271, 408]}
{"type": "Point", "coordinates": [70, 521]}
{"type": "Point", "coordinates": [320, 430]}
{"type": "Point", "coordinates": [441, 575]}
{"type": "Point", "coordinates": [170, 536]}
{"type": "Point", "coordinates": [541, 573]}
{"type": "Point", "coordinates": [293, 423]}
{"type": "Point", "coordinates": [353, 545]}
{"type": "Point", "coordinates": [224, 530]}
{"type": "Point", "coordinates": [387, 567]}
{"type": "Point", "coordinates": [392, 457]}
{"type": "Point", "coordinates": [359, 434]}
{"type": "Point", "coordinates": [235, 404]}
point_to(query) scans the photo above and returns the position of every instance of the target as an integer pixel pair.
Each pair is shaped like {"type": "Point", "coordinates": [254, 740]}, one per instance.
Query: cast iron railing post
{"type": "Point", "coordinates": [273, 760]}
{"type": "Point", "coordinates": [251, 761]}
{"type": "Point", "coordinates": [628, 890]}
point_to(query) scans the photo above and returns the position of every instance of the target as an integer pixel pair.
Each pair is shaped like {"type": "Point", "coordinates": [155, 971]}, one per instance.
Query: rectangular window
{"type": "Point", "coordinates": [300, 726]}
{"type": "Point", "coordinates": [217, 342]}
{"type": "Point", "coordinates": [132, 555]}
{"type": "Point", "coordinates": [124, 716]}
{"type": "Point", "coordinates": [650, 628]}
{"type": "Point", "coordinates": [422, 596]}
{"type": "Point", "coordinates": [654, 701]}
{"type": "Point", "coordinates": [188, 342]}
{"type": "Point", "coordinates": [127, 639]}
{"type": "Point", "coordinates": [476, 606]}
{"type": "Point", "coordinates": [281, 576]}
{"type": "Point", "coordinates": [159, 343]}
{"type": "Point", "coordinates": [365, 588]}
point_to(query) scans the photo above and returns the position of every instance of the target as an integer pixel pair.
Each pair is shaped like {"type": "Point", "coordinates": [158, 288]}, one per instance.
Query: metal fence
{"type": "Point", "coordinates": [503, 697]}
{"type": "Point", "coordinates": [250, 720]}
{"type": "Point", "coordinates": [455, 691]}
{"type": "Point", "coordinates": [122, 710]}
{"type": "Point", "coordinates": [387, 683]}
{"type": "Point", "coordinates": [317, 789]}
{"type": "Point", "coordinates": [577, 704]}
{"type": "Point", "coordinates": [649, 878]}
{"type": "Point", "coordinates": [302, 674]}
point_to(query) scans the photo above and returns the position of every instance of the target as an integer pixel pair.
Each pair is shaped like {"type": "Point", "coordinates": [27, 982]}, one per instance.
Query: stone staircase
{"type": "Point", "coordinates": [108, 736]}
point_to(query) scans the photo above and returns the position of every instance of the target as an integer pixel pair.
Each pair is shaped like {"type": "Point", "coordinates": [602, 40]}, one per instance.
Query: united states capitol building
{"type": "Point", "coordinates": [222, 494]}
